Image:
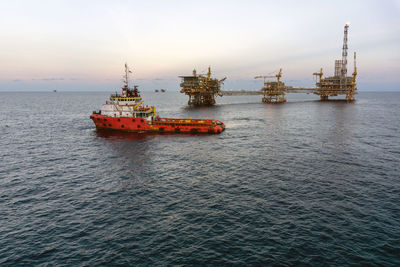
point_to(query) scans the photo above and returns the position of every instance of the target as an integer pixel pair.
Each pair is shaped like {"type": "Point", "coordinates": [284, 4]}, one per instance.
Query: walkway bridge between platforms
{"type": "Point", "coordinates": [287, 89]}
{"type": "Point", "coordinates": [240, 92]}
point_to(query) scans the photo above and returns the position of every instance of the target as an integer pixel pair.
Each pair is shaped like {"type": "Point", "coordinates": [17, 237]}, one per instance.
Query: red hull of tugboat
{"type": "Point", "coordinates": [162, 125]}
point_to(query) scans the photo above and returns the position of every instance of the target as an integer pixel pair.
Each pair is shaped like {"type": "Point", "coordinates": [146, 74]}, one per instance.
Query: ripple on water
{"type": "Point", "coordinates": [305, 183]}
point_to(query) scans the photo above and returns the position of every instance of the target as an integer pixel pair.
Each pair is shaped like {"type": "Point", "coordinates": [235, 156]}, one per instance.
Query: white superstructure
{"type": "Point", "coordinates": [128, 104]}
{"type": "Point", "coordinates": [131, 107]}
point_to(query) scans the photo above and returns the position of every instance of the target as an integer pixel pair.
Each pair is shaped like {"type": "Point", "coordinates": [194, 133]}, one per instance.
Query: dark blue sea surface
{"type": "Point", "coordinates": [301, 183]}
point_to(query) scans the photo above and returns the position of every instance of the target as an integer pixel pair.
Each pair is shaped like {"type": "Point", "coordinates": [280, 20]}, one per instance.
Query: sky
{"type": "Point", "coordinates": [83, 45]}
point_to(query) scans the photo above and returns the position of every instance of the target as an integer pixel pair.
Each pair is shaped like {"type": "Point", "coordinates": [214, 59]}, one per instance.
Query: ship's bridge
{"type": "Point", "coordinates": [125, 98]}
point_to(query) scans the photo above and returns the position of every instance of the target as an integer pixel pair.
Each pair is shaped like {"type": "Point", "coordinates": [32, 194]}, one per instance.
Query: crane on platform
{"type": "Point", "coordinates": [209, 73]}
{"type": "Point", "coordinates": [318, 74]}
{"type": "Point", "coordinates": [264, 77]}
{"type": "Point", "coordinates": [278, 76]}
{"type": "Point", "coordinates": [355, 69]}
{"type": "Point", "coordinates": [221, 82]}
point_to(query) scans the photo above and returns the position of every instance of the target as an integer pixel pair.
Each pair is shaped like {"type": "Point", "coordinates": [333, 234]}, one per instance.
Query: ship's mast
{"type": "Point", "coordinates": [126, 76]}
{"type": "Point", "coordinates": [125, 88]}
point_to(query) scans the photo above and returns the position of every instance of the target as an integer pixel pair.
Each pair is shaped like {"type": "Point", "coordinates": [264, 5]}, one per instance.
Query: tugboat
{"type": "Point", "coordinates": [126, 112]}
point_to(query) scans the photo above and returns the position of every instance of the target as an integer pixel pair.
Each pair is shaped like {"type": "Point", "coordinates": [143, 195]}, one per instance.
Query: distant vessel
{"type": "Point", "coordinates": [54, 91]}
{"type": "Point", "coordinates": [126, 112]}
{"type": "Point", "coordinates": [163, 90]}
{"type": "Point", "coordinates": [156, 90]}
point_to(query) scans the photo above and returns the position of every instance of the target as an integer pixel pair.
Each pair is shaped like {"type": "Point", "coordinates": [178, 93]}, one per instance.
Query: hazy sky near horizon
{"type": "Point", "coordinates": [83, 45]}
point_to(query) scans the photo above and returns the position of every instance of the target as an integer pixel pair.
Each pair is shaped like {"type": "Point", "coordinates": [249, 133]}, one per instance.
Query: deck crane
{"type": "Point", "coordinates": [355, 69]}
{"type": "Point", "coordinates": [277, 76]}
{"type": "Point", "coordinates": [264, 77]}
{"type": "Point", "coordinates": [220, 82]}
{"type": "Point", "coordinates": [318, 74]}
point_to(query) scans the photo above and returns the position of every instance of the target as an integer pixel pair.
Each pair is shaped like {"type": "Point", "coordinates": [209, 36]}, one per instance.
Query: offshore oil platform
{"type": "Point", "coordinates": [340, 83]}
{"type": "Point", "coordinates": [274, 92]}
{"type": "Point", "coordinates": [203, 89]}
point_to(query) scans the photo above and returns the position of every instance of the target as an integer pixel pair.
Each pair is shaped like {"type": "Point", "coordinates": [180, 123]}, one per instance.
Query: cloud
{"type": "Point", "coordinates": [17, 80]}
{"type": "Point", "coordinates": [48, 79]}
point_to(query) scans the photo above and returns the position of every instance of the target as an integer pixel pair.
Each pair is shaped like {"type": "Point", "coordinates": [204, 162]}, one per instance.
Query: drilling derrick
{"type": "Point", "coordinates": [344, 51]}
{"type": "Point", "coordinates": [340, 83]}
{"type": "Point", "coordinates": [274, 92]}
{"type": "Point", "coordinates": [201, 88]}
